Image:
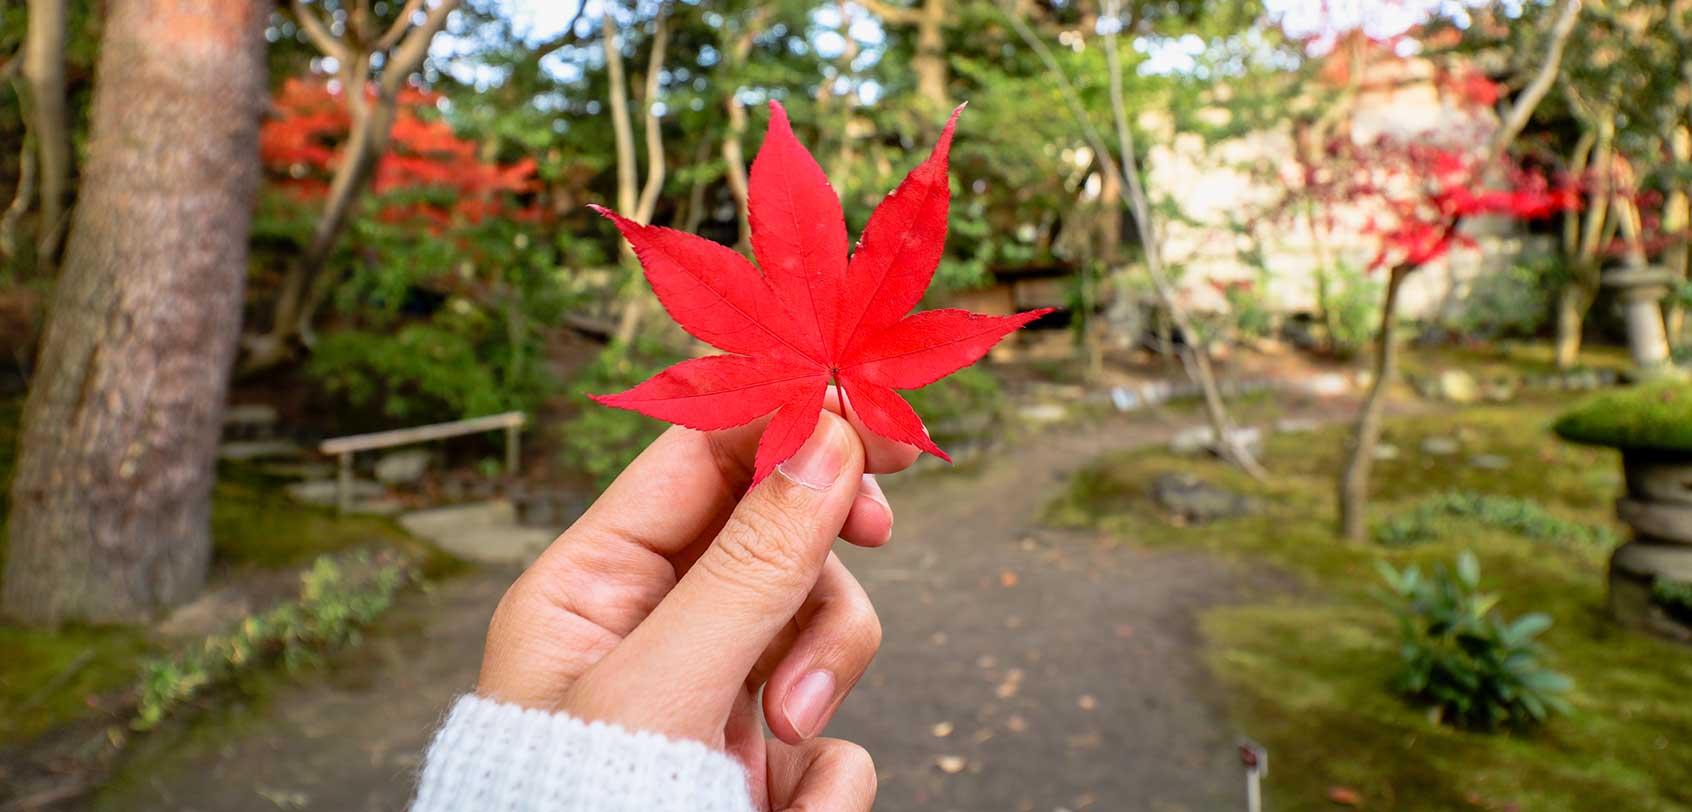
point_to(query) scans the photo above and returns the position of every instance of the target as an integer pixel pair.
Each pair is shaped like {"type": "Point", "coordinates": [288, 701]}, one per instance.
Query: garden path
{"type": "Point", "coordinates": [1022, 668]}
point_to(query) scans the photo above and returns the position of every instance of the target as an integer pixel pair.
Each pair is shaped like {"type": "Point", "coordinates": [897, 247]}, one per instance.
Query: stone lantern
{"type": "Point", "coordinates": [1641, 290]}
{"type": "Point", "coordinates": [1651, 425]}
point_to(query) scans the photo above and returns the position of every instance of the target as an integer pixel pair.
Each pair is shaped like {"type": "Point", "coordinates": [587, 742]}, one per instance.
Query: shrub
{"type": "Point", "coordinates": [950, 405]}
{"type": "Point", "coordinates": [600, 441]}
{"type": "Point", "coordinates": [1431, 519]}
{"type": "Point", "coordinates": [331, 610]}
{"type": "Point", "coordinates": [1513, 302]}
{"type": "Point", "coordinates": [1675, 598]}
{"type": "Point", "coordinates": [1460, 657]}
{"type": "Point", "coordinates": [1350, 301]}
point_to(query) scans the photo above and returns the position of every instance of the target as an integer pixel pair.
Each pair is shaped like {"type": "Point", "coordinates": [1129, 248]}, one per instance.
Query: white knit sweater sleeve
{"type": "Point", "coordinates": [493, 757]}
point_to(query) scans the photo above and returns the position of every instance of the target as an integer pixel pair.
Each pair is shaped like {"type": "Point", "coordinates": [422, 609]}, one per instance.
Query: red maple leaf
{"type": "Point", "coordinates": [809, 316]}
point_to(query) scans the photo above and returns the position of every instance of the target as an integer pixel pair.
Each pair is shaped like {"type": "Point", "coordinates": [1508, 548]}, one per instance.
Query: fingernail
{"type": "Point", "coordinates": [872, 489]}
{"type": "Point", "coordinates": [817, 464]}
{"type": "Point", "coordinates": [808, 701]}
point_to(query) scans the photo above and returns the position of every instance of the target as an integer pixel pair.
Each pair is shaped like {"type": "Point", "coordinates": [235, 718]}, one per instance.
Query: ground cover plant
{"type": "Point", "coordinates": [1310, 671]}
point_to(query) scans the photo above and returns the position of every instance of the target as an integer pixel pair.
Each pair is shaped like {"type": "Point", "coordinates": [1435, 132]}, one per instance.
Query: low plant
{"type": "Point", "coordinates": [601, 442]}
{"type": "Point", "coordinates": [1469, 665]}
{"type": "Point", "coordinates": [1514, 302]}
{"type": "Point", "coordinates": [1350, 301]}
{"type": "Point", "coordinates": [332, 608]}
{"type": "Point", "coordinates": [1675, 598]}
{"type": "Point", "coordinates": [1432, 519]}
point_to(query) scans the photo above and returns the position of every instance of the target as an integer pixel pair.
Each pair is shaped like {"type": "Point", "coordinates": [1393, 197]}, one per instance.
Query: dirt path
{"type": "Point", "coordinates": [1023, 669]}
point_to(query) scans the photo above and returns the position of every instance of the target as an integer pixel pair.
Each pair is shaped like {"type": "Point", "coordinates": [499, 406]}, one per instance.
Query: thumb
{"type": "Point", "coordinates": [708, 633]}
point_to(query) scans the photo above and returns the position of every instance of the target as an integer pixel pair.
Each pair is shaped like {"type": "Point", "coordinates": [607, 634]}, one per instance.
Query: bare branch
{"type": "Point", "coordinates": [890, 13]}
{"type": "Point", "coordinates": [1528, 100]}
{"type": "Point", "coordinates": [399, 26]}
{"type": "Point", "coordinates": [409, 54]}
{"type": "Point", "coordinates": [312, 26]}
{"type": "Point", "coordinates": [654, 130]}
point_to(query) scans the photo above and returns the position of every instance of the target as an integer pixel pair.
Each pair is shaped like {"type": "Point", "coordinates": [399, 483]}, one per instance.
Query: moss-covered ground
{"type": "Point", "coordinates": [49, 678]}
{"type": "Point", "coordinates": [1654, 415]}
{"type": "Point", "coordinates": [1308, 670]}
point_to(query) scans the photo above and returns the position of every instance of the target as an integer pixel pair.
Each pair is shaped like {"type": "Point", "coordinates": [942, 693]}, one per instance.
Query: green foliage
{"type": "Point", "coordinates": [1511, 303]}
{"type": "Point", "coordinates": [1432, 519]}
{"type": "Point", "coordinates": [333, 606]}
{"type": "Point", "coordinates": [46, 676]}
{"type": "Point", "coordinates": [1675, 597]}
{"type": "Point", "coordinates": [477, 352]}
{"type": "Point", "coordinates": [1474, 668]}
{"type": "Point", "coordinates": [1654, 415]}
{"type": "Point", "coordinates": [958, 404]}
{"type": "Point", "coordinates": [1350, 300]}
{"type": "Point", "coordinates": [601, 441]}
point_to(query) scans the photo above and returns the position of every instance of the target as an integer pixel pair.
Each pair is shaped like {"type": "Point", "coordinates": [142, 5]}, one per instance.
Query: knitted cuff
{"type": "Point", "coordinates": [493, 757]}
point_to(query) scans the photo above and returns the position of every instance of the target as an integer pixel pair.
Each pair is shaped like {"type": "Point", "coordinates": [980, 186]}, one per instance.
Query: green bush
{"type": "Point", "coordinates": [1460, 657]}
{"type": "Point", "coordinates": [1511, 303]}
{"type": "Point", "coordinates": [970, 393]}
{"type": "Point", "coordinates": [331, 610]}
{"type": "Point", "coordinates": [1431, 519]}
{"type": "Point", "coordinates": [443, 329]}
{"type": "Point", "coordinates": [1350, 301]}
{"type": "Point", "coordinates": [1675, 598]}
{"type": "Point", "coordinates": [601, 441]}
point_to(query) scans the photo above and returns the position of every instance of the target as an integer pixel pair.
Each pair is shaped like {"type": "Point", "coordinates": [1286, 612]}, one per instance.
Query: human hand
{"type": "Point", "coordinates": [675, 598]}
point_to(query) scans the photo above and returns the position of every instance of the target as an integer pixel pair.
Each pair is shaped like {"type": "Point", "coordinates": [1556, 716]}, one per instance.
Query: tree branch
{"type": "Point", "coordinates": [654, 131]}
{"type": "Point", "coordinates": [1528, 100]}
{"type": "Point", "coordinates": [890, 13]}
{"type": "Point", "coordinates": [318, 34]}
{"type": "Point", "coordinates": [399, 26]}
{"type": "Point", "coordinates": [409, 54]}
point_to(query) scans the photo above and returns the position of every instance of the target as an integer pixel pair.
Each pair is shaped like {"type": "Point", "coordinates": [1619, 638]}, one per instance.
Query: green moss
{"type": "Point", "coordinates": [255, 524]}
{"type": "Point", "coordinates": [1653, 415]}
{"type": "Point", "coordinates": [46, 677]}
{"type": "Point", "coordinates": [1308, 672]}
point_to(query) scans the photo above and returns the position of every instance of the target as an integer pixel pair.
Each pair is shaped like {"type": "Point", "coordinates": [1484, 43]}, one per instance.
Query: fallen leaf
{"type": "Point", "coordinates": [941, 730]}
{"type": "Point", "coordinates": [1087, 702]}
{"type": "Point", "coordinates": [1016, 724]}
{"type": "Point", "coordinates": [808, 316]}
{"type": "Point", "coordinates": [1125, 631]}
{"type": "Point", "coordinates": [1007, 579]}
{"type": "Point", "coordinates": [951, 764]}
{"type": "Point", "coordinates": [1344, 796]}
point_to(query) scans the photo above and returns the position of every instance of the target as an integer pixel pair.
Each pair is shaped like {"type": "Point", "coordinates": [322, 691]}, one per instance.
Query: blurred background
{"type": "Point", "coordinates": [1307, 495]}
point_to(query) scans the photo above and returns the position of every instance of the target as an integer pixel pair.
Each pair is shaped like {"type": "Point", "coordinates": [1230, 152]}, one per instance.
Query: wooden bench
{"type": "Point", "coordinates": [343, 448]}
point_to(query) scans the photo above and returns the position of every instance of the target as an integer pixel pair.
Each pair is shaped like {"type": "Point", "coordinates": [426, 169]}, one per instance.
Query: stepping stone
{"type": "Point", "coordinates": [243, 450]}
{"type": "Point", "coordinates": [1386, 451]}
{"type": "Point", "coordinates": [402, 467]}
{"type": "Point", "coordinates": [1197, 501]}
{"type": "Point", "coordinates": [325, 491]}
{"type": "Point", "coordinates": [1441, 446]}
{"type": "Point", "coordinates": [485, 532]}
{"type": "Point", "coordinates": [1489, 462]}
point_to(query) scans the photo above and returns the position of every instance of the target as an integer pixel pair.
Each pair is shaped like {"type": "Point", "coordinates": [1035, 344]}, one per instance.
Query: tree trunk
{"type": "Point", "coordinates": [1572, 302]}
{"type": "Point", "coordinates": [111, 501]}
{"type": "Point", "coordinates": [1677, 216]}
{"type": "Point", "coordinates": [44, 72]}
{"type": "Point", "coordinates": [1366, 432]}
{"type": "Point", "coordinates": [930, 61]}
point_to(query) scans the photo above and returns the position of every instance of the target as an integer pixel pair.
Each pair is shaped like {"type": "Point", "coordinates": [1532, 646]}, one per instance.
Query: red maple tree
{"type": "Point", "coordinates": [300, 144]}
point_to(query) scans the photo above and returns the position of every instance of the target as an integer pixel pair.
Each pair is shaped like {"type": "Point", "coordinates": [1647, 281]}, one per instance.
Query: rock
{"type": "Point", "coordinates": [325, 491]}
{"type": "Point", "coordinates": [244, 450]}
{"type": "Point", "coordinates": [1203, 438]}
{"type": "Point", "coordinates": [1043, 413]}
{"type": "Point", "coordinates": [298, 470]}
{"type": "Point", "coordinates": [1441, 446]}
{"type": "Point", "coordinates": [402, 467]}
{"type": "Point", "coordinates": [1295, 425]}
{"type": "Point", "coordinates": [1194, 500]}
{"type": "Point", "coordinates": [1386, 451]}
{"type": "Point", "coordinates": [1489, 462]}
{"type": "Point", "coordinates": [1124, 399]}
{"type": "Point", "coordinates": [1500, 390]}
{"type": "Point", "coordinates": [250, 414]}
{"type": "Point", "coordinates": [1456, 386]}
{"type": "Point", "coordinates": [481, 531]}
